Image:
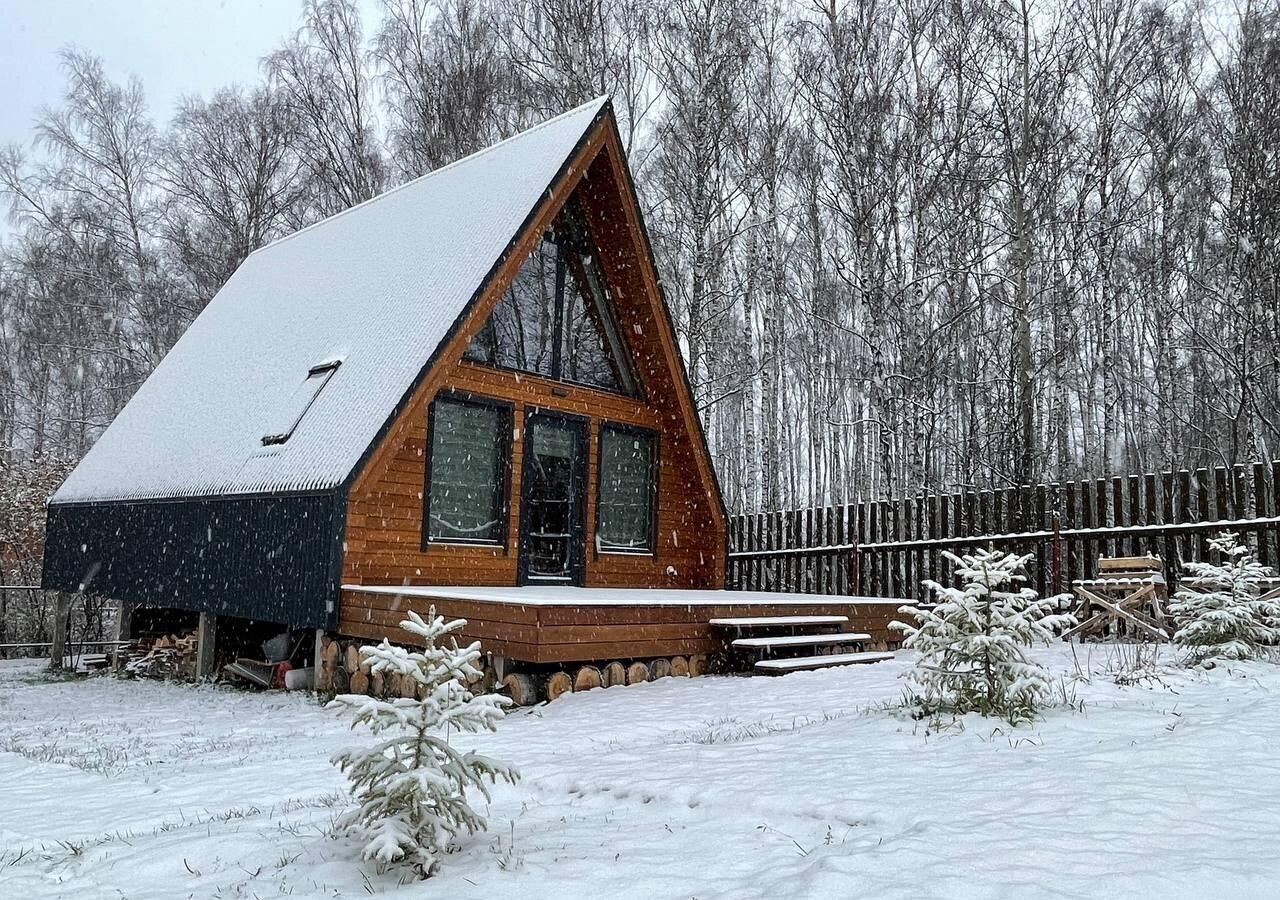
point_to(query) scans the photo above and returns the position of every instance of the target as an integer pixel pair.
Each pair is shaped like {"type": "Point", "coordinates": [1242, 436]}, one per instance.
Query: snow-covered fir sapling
{"type": "Point", "coordinates": [1221, 614]}
{"type": "Point", "coordinates": [411, 788]}
{"type": "Point", "coordinates": [972, 645]}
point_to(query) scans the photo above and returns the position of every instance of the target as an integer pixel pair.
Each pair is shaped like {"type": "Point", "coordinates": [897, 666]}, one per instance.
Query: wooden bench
{"type": "Point", "coordinates": [1128, 594]}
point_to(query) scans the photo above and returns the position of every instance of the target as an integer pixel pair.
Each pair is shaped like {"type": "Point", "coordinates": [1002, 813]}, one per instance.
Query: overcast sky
{"type": "Point", "coordinates": [175, 47]}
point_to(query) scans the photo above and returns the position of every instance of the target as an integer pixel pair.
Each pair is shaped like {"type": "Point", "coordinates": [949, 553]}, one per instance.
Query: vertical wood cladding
{"type": "Point", "coordinates": [385, 503]}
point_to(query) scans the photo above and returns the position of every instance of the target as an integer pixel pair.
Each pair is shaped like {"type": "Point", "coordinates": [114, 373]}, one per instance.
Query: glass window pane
{"type": "Point", "coordinates": [625, 521]}
{"type": "Point", "coordinates": [555, 319]}
{"type": "Point", "coordinates": [286, 418]}
{"type": "Point", "coordinates": [584, 357]}
{"type": "Point", "coordinates": [519, 333]}
{"type": "Point", "coordinates": [465, 494]}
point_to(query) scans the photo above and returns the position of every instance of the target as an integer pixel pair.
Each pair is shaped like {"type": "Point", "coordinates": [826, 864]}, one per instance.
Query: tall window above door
{"type": "Point", "coordinates": [556, 318]}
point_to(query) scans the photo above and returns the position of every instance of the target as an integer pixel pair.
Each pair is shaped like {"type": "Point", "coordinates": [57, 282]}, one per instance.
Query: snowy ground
{"type": "Point", "coordinates": [802, 786]}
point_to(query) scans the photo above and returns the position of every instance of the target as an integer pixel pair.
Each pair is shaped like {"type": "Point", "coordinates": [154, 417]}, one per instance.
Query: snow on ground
{"type": "Point", "coordinates": [806, 786]}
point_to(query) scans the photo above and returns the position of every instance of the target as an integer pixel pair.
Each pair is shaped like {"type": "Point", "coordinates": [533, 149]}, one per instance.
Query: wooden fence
{"type": "Point", "coordinates": [885, 548]}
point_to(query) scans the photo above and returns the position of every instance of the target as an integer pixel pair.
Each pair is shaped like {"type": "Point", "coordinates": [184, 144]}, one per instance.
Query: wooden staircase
{"type": "Point", "coordinates": [775, 645]}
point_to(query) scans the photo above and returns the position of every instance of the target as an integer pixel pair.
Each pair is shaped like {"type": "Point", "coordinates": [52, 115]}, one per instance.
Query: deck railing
{"type": "Point", "coordinates": [885, 548]}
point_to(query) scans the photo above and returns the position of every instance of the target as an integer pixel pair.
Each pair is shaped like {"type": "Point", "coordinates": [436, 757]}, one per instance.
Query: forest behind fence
{"type": "Point", "coordinates": [886, 548]}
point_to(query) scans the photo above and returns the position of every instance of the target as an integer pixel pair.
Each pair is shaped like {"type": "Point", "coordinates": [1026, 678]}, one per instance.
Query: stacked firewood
{"type": "Point", "coordinates": [342, 672]}
{"type": "Point", "coordinates": [168, 656]}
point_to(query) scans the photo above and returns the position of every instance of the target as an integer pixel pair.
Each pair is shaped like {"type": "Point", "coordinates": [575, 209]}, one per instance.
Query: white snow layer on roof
{"type": "Point", "coordinates": [377, 286]}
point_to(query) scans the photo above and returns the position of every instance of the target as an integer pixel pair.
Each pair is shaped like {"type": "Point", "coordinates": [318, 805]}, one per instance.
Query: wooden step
{"type": "Point", "coordinates": [778, 621]}
{"type": "Point", "coordinates": [800, 663]}
{"type": "Point", "coordinates": [801, 640]}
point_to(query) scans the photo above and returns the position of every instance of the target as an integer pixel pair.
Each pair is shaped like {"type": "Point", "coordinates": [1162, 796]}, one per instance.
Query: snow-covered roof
{"type": "Point", "coordinates": [376, 287]}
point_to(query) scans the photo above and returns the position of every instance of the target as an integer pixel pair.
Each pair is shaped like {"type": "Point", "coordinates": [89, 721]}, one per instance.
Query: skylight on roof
{"type": "Point", "coordinates": [290, 413]}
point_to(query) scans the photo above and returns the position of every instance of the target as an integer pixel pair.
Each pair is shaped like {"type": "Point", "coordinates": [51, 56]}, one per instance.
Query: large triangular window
{"type": "Point", "coordinates": [555, 320]}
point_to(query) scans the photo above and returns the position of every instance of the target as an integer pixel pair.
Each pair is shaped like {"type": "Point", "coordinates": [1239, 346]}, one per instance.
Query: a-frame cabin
{"type": "Point", "coordinates": [466, 392]}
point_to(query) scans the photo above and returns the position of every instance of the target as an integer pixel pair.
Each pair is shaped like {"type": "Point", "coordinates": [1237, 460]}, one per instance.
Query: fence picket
{"type": "Point", "coordinates": [1134, 487]}
{"type": "Point", "coordinates": [886, 548]}
{"type": "Point", "coordinates": [1261, 509]}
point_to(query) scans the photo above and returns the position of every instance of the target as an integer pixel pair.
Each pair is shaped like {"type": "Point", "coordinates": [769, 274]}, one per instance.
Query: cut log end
{"type": "Point", "coordinates": [615, 674]}
{"type": "Point", "coordinates": [679, 666]}
{"type": "Point", "coordinates": [330, 654]}
{"type": "Point", "coordinates": [588, 677]}
{"type": "Point", "coordinates": [359, 682]}
{"type": "Point", "coordinates": [637, 672]}
{"type": "Point", "coordinates": [520, 688]}
{"type": "Point", "coordinates": [697, 665]}
{"type": "Point", "coordinates": [559, 684]}
{"type": "Point", "coordinates": [330, 650]}
{"type": "Point", "coordinates": [660, 668]}
{"type": "Point", "coordinates": [408, 687]}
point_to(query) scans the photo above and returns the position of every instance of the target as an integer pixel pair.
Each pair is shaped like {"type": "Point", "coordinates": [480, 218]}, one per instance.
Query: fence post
{"type": "Point", "coordinates": [1057, 552]}
{"type": "Point", "coordinates": [123, 631]}
{"type": "Point", "coordinates": [206, 652]}
{"type": "Point", "coordinates": [61, 613]}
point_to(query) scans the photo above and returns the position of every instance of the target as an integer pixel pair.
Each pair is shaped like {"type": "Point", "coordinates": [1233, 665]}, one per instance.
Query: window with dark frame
{"type": "Point", "coordinates": [290, 414]}
{"type": "Point", "coordinates": [625, 507]}
{"type": "Point", "coordinates": [467, 471]}
{"type": "Point", "coordinates": [555, 319]}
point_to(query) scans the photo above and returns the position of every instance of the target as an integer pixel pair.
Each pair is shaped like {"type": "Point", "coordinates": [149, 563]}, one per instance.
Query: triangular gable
{"type": "Point", "coordinates": [600, 160]}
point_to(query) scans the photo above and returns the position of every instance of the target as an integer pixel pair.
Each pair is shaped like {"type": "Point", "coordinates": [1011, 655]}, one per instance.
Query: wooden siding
{"type": "Point", "coordinates": [582, 633]}
{"type": "Point", "coordinates": [383, 532]}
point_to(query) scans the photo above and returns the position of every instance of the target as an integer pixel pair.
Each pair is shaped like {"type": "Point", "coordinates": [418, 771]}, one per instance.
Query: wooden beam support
{"type": "Point", "coordinates": [123, 631]}
{"type": "Point", "coordinates": [317, 660]}
{"type": "Point", "coordinates": [206, 637]}
{"type": "Point", "coordinates": [61, 613]}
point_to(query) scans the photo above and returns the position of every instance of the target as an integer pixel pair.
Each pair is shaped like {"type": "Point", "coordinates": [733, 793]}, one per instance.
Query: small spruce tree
{"type": "Point", "coordinates": [1226, 619]}
{"type": "Point", "coordinates": [972, 644]}
{"type": "Point", "coordinates": [411, 788]}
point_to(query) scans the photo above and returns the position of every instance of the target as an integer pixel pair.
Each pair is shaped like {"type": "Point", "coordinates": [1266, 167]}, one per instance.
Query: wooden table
{"type": "Point", "coordinates": [1129, 592]}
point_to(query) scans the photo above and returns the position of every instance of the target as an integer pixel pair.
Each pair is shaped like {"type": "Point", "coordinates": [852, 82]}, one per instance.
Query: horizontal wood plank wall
{"type": "Point", "coordinates": [559, 634]}
{"type": "Point", "coordinates": [385, 504]}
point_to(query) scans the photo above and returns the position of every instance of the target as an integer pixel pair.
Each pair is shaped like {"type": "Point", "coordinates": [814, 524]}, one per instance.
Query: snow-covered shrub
{"type": "Point", "coordinates": [972, 644]}
{"type": "Point", "coordinates": [1225, 619]}
{"type": "Point", "coordinates": [411, 788]}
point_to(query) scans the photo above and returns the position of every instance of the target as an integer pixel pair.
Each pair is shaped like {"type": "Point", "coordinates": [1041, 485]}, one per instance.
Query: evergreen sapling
{"type": "Point", "coordinates": [410, 788]}
{"type": "Point", "coordinates": [972, 644]}
{"type": "Point", "coordinates": [1226, 617]}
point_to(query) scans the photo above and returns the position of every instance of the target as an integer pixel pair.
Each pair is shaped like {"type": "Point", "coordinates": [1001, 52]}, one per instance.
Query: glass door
{"type": "Point", "coordinates": [552, 537]}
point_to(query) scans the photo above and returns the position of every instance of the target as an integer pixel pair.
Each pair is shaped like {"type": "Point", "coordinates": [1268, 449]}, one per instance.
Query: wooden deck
{"type": "Point", "coordinates": [570, 624]}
